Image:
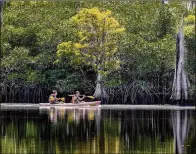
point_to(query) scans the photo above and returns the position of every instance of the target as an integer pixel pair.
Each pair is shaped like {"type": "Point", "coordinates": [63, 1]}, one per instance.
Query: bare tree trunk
{"type": "Point", "coordinates": [180, 82]}
{"type": "Point", "coordinates": [41, 95]}
{"type": "Point", "coordinates": [28, 94]}
{"type": "Point", "coordinates": [25, 95]}
{"type": "Point", "coordinates": [100, 93]}
{"type": "Point", "coordinates": [98, 90]}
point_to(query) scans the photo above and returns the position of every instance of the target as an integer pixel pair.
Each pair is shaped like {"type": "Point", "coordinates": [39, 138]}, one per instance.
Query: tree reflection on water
{"type": "Point", "coordinates": [181, 125]}
{"type": "Point", "coordinates": [64, 130]}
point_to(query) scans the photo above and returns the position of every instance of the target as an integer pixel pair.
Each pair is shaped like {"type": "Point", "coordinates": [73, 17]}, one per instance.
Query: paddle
{"type": "Point", "coordinates": [62, 99]}
{"type": "Point", "coordinates": [92, 97]}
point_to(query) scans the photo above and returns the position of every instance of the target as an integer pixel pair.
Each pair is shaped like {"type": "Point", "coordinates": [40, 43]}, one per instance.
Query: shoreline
{"type": "Point", "coordinates": [113, 107]}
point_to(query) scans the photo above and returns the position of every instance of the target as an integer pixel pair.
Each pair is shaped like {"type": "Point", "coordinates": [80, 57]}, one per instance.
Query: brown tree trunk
{"type": "Point", "coordinates": [180, 83]}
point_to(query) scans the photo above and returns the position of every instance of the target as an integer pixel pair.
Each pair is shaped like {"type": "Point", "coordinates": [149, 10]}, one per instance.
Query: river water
{"type": "Point", "coordinates": [97, 130]}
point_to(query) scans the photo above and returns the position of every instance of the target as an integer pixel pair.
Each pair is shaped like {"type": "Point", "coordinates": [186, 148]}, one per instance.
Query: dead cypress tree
{"type": "Point", "coordinates": [180, 82]}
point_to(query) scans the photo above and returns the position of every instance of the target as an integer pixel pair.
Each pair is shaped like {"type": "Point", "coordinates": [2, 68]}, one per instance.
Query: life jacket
{"type": "Point", "coordinates": [52, 99]}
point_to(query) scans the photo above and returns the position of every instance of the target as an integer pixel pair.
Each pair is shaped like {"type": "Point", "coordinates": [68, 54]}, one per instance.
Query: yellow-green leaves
{"type": "Point", "coordinates": [190, 19]}
{"type": "Point", "coordinates": [98, 33]}
{"type": "Point", "coordinates": [72, 52]}
{"type": "Point", "coordinates": [67, 49]}
{"type": "Point", "coordinates": [95, 21]}
{"type": "Point", "coordinates": [80, 46]}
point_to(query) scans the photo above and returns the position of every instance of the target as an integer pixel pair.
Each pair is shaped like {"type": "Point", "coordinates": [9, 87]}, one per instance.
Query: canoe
{"type": "Point", "coordinates": [94, 103]}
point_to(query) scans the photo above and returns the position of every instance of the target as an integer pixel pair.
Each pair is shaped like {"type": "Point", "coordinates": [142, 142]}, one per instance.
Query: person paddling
{"type": "Point", "coordinates": [76, 98]}
{"type": "Point", "coordinates": [52, 97]}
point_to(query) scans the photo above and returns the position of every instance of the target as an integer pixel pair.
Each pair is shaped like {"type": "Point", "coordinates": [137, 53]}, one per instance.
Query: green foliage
{"type": "Point", "coordinates": [36, 27]}
{"type": "Point", "coordinates": [97, 35]}
{"type": "Point", "coordinates": [16, 63]}
{"type": "Point", "coordinates": [149, 48]}
{"type": "Point", "coordinates": [71, 83]}
{"type": "Point", "coordinates": [47, 43]}
{"type": "Point", "coordinates": [189, 31]}
{"type": "Point", "coordinates": [190, 19]}
{"type": "Point", "coordinates": [191, 46]}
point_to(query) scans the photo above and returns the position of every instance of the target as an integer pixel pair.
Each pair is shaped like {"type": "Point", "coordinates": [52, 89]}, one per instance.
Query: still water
{"type": "Point", "coordinates": [97, 131]}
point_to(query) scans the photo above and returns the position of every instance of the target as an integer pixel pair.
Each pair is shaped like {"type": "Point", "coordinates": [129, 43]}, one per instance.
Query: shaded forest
{"type": "Point", "coordinates": [127, 49]}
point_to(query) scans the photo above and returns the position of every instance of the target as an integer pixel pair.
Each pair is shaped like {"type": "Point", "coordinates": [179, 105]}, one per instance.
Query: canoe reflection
{"type": "Point", "coordinates": [72, 115]}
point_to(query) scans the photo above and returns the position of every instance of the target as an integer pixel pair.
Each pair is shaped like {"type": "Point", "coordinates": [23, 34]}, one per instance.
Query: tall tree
{"type": "Point", "coordinates": [180, 83]}
{"type": "Point", "coordinates": [97, 34]}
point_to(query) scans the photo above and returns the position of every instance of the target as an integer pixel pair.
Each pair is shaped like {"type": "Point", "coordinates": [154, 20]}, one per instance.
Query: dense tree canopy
{"type": "Point", "coordinates": [191, 49]}
{"type": "Point", "coordinates": [98, 35]}
{"type": "Point", "coordinates": [91, 37]}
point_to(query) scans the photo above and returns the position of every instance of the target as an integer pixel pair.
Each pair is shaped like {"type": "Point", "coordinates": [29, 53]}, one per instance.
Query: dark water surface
{"type": "Point", "coordinates": [97, 131]}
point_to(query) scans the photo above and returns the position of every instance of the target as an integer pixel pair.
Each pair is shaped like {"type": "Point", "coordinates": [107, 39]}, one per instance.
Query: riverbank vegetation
{"type": "Point", "coordinates": [123, 50]}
